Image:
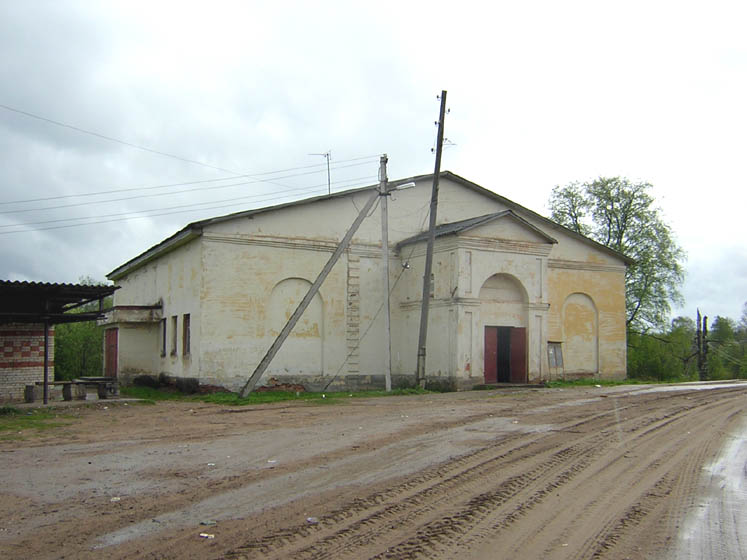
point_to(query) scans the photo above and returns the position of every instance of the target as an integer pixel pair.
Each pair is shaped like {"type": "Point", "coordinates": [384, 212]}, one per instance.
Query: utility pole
{"type": "Point", "coordinates": [420, 373]}
{"type": "Point", "coordinates": [384, 193]}
{"type": "Point", "coordinates": [701, 343]}
{"type": "Point", "coordinates": [327, 155]}
{"type": "Point", "coordinates": [265, 362]}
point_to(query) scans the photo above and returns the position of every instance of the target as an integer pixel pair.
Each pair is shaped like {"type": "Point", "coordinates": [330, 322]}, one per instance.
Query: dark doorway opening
{"type": "Point", "coordinates": [505, 355]}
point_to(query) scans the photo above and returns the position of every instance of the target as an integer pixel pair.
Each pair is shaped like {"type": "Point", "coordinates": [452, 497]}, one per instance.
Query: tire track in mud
{"type": "Point", "coordinates": [662, 508]}
{"type": "Point", "coordinates": [507, 519]}
{"type": "Point", "coordinates": [626, 494]}
{"type": "Point", "coordinates": [381, 525]}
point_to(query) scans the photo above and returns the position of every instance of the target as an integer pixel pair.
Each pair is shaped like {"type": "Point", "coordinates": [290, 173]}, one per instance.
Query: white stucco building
{"type": "Point", "coordinates": [515, 296]}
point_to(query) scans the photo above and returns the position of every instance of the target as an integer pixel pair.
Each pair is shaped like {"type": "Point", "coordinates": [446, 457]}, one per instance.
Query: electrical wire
{"type": "Point", "coordinates": [130, 144]}
{"type": "Point", "coordinates": [215, 187]}
{"type": "Point", "coordinates": [724, 355]}
{"type": "Point", "coordinates": [112, 139]}
{"type": "Point", "coordinates": [363, 336]}
{"type": "Point", "coordinates": [168, 185]}
{"type": "Point", "coordinates": [129, 217]}
{"type": "Point", "coordinates": [376, 315]}
{"type": "Point", "coordinates": [194, 204]}
{"type": "Point", "coordinates": [154, 151]}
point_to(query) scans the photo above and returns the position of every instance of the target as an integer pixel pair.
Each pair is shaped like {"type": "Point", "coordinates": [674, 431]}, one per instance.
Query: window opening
{"type": "Point", "coordinates": [555, 354]}
{"type": "Point", "coordinates": [163, 337]}
{"type": "Point", "coordinates": [185, 335]}
{"type": "Point", "coordinates": [173, 335]}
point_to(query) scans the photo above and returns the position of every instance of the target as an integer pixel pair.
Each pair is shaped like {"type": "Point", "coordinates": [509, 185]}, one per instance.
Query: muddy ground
{"type": "Point", "coordinates": [622, 472]}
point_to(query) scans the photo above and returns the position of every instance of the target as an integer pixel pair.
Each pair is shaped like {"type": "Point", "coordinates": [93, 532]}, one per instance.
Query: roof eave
{"type": "Point", "coordinates": [182, 237]}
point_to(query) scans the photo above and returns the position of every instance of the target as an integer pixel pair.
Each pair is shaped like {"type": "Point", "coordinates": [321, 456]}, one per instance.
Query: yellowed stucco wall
{"type": "Point", "coordinates": [605, 287]}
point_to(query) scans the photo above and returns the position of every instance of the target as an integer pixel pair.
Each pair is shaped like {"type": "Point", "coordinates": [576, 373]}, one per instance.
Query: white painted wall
{"type": "Point", "coordinates": [174, 281]}
{"type": "Point", "coordinates": [241, 275]}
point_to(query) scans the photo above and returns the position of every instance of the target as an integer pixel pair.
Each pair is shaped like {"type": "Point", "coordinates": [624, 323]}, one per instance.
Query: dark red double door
{"type": "Point", "coordinates": [505, 355]}
{"type": "Point", "coordinates": [110, 352]}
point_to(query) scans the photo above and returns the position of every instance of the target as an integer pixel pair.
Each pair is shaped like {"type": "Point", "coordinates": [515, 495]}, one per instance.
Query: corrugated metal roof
{"type": "Point", "coordinates": [24, 302]}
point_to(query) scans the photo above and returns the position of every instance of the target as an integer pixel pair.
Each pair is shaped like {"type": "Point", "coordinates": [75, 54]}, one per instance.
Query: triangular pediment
{"type": "Point", "coordinates": [508, 227]}
{"type": "Point", "coordinates": [505, 225]}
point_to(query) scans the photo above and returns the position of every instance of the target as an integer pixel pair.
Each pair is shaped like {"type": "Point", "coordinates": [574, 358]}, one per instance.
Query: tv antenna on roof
{"type": "Point", "coordinates": [327, 155]}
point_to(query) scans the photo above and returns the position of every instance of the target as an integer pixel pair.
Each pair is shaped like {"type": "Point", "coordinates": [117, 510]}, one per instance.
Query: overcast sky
{"type": "Point", "coordinates": [541, 94]}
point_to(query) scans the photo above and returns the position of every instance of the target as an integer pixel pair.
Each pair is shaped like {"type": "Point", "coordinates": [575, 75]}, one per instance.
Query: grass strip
{"type": "Point", "coordinates": [233, 399]}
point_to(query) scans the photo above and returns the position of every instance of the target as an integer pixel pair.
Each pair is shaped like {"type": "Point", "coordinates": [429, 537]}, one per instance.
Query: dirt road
{"type": "Point", "coordinates": [620, 472]}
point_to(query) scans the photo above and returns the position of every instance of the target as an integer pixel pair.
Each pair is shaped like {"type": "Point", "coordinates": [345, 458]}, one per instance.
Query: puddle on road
{"type": "Point", "coordinates": [716, 528]}
{"type": "Point", "coordinates": [690, 387]}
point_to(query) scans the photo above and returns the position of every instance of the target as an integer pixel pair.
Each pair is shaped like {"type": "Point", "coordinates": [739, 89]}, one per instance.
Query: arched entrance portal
{"type": "Point", "coordinates": [503, 316]}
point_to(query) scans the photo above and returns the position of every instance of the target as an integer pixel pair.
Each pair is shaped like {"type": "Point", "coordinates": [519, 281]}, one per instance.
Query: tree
{"type": "Point", "coordinates": [79, 350]}
{"type": "Point", "coordinates": [664, 356]}
{"type": "Point", "coordinates": [621, 215]}
{"type": "Point", "coordinates": [726, 359]}
{"type": "Point", "coordinates": [79, 347]}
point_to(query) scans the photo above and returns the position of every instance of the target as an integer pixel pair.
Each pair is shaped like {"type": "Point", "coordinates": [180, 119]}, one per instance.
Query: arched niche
{"type": "Point", "coordinates": [580, 334]}
{"type": "Point", "coordinates": [302, 351]}
{"type": "Point", "coordinates": [503, 301]}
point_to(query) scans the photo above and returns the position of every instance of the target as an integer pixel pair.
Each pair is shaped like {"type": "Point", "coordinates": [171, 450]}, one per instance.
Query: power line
{"type": "Point", "coordinates": [726, 356]}
{"type": "Point", "coordinates": [210, 188]}
{"type": "Point", "coordinates": [154, 210]}
{"type": "Point", "coordinates": [131, 145]}
{"type": "Point", "coordinates": [169, 185]}
{"type": "Point", "coordinates": [368, 328]}
{"type": "Point", "coordinates": [112, 139]}
{"type": "Point", "coordinates": [299, 189]}
{"type": "Point", "coordinates": [376, 315]}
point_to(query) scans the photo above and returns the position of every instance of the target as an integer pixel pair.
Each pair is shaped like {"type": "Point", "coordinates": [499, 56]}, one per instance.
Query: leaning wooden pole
{"type": "Point", "coordinates": [420, 372]}
{"type": "Point", "coordinates": [265, 362]}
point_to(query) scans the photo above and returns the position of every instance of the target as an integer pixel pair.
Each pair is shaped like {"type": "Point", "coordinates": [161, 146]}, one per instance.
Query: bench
{"type": "Point", "coordinates": [67, 390]}
{"type": "Point", "coordinates": [106, 387]}
{"type": "Point", "coordinates": [77, 389]}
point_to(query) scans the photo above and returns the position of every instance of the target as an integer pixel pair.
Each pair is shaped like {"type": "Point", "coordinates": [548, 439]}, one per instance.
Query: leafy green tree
{"type": "Point", "coordinates": [621, 215]}
{"type": "Point", "coordinates": [79, 347]}
{"type": "Point", "coordinates": [79, 350]}
{"type": "Point", "coordinates": [664, 356]}
{"type": "Point", "coordinates": [741, 337]}
{"type": "Point", "coordinates": [725, 353]}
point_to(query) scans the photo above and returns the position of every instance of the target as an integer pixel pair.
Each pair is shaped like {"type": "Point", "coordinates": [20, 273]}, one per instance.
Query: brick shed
{"type": "Point", "coordinates": [28, 313]}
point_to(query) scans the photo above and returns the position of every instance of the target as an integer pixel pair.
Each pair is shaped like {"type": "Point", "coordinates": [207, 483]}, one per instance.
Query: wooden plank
{"type": "Point", "coordinates": [111, 342]}
{"type": "Point", "coordinates": [518, 355]}
{"type": "Point", "coordinates": [491, 354]}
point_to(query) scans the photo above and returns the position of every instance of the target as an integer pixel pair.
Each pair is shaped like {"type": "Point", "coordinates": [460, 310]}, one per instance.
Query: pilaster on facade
{"type": "Point", "coordinates": [353, 313]}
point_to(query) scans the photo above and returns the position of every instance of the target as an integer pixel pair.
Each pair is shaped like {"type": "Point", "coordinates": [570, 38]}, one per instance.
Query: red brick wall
{"type": "Point", "coordinates": [22, 358]}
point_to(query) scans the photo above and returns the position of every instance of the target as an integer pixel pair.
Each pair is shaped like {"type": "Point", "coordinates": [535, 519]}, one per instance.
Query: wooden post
{"type": "Point", "coordinates": [422, 337]}
{"type": "Point", "coordinates": [701, 344]}
{"type": "Point", "coordinates": [704, 371]}
{"type": "Point", "coordinates": [46, 362]}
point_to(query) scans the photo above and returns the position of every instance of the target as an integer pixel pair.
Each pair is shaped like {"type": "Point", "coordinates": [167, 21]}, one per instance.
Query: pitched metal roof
{"type": "Point", "coordinates": [194, 229]}
{"type": "Point", "coordinates": [37, 302]}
